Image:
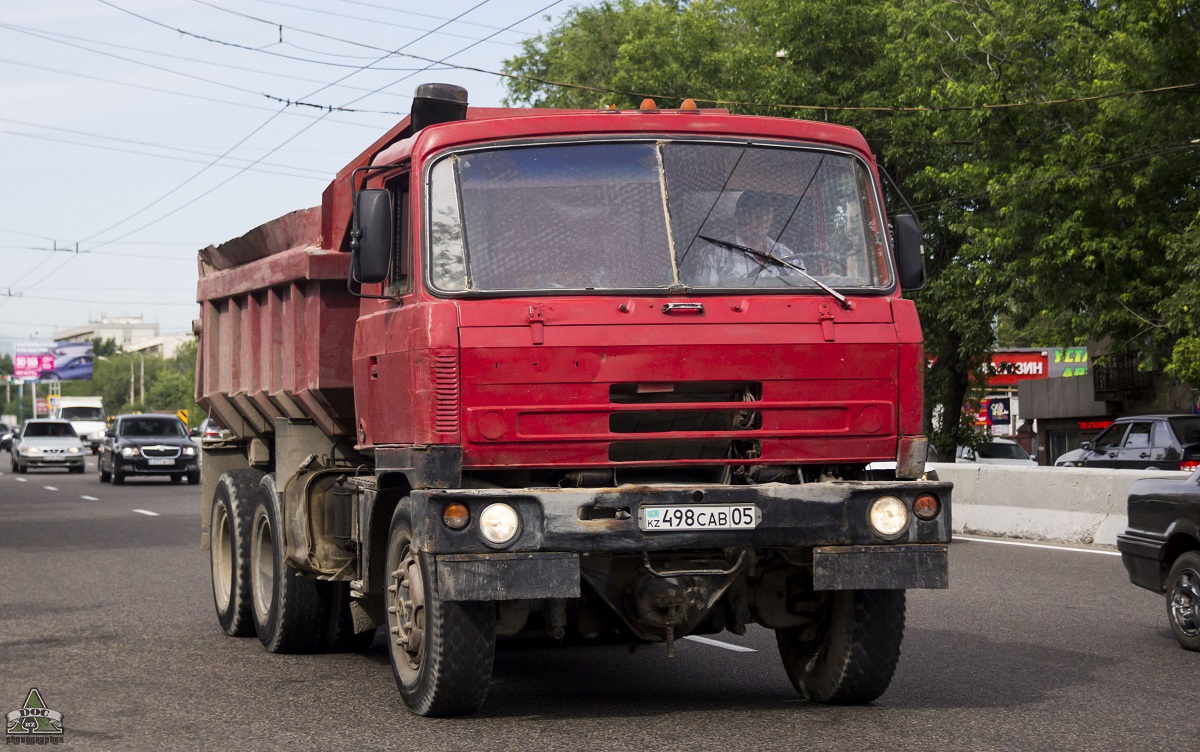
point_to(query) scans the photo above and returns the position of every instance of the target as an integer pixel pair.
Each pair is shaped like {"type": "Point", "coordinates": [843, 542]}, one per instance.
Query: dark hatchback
{"type": "Point", "coordinates": [1161, 548]}
{"type": "Point", "coordinates": [148, 445]}
{"type": "Point", "coordinates": [1145, 442]}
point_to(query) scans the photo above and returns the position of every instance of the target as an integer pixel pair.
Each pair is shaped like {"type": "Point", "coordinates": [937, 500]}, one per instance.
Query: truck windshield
{"type": "Point", "coordinates": [83, 413]}
{"type": "Point", "coordinates": [653, 215]}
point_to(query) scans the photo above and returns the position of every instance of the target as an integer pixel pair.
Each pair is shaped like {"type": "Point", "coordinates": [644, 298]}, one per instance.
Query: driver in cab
{"type": "Point", "coordinates": [748, 257]}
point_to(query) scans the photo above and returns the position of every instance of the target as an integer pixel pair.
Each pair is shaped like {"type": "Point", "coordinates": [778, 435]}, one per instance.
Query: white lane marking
{"type": "Point", "coordinates": [22, 480]}
{"type": "Point", "coordinates": [50, 488]}
{"type": "Point", "coordinates": [146, 512]}
{"type": "Point", "coordinates": [89, 498]}
{"type": "Point", "coordinates": [1038, 545]}
{"type": "Point", "coordinates": [719, 644]}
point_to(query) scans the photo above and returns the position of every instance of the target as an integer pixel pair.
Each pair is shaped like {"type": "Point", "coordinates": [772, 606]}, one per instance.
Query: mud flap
{"type": "Point", "coordinates": [507, 576]}
{"type": "Point", "coordinates": [881, 567]}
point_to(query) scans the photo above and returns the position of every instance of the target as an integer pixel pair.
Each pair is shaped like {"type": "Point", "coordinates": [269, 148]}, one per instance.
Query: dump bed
{"type": "Point", "coordinates": [276, 329]}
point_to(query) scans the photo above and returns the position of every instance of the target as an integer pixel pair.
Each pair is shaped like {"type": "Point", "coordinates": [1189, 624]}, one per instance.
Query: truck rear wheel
{"type": "Point", "coordinates": [856, 649]}
{"type": "Point", "coordinates": [229, 549]}
{"type": "Point", "coordinates": [290, 611]}
{"type": "Point", "coordinates": [441, 651]}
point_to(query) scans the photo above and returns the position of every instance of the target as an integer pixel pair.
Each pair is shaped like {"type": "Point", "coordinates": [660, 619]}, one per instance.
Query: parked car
{"type": "Point", "coordinates": [148, 445]}
{"type": "Point", "coordinates": [47, 443]}
{"type": "Point", "coordinates": [998, 452]}
{"type": "Point", "coordinates": [1161, 548]}
{"type": "Point", "coordinates": [1145, 442]}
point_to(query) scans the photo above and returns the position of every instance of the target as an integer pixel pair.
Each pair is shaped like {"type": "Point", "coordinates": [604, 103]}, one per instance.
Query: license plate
{"type": "Point", "coordinates": [700, 517]}
{"type": "Point", "coordinates": [161, 462]}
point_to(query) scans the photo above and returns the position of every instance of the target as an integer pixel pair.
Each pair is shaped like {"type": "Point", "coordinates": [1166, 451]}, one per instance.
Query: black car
{"type": "Point", "coordinates": [1144, 442]}
{"type": "Point", "coordinates": [6, 434]}
{"type": "Point", "coordinates": [148, 445]}
{"type": "Point", "coordinates": [1161, 548]}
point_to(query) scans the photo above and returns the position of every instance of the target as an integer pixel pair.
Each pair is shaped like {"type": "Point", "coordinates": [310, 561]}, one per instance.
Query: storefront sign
{"type": "Point", "coordinates": [1068, 361]}
{"type": "Point", "coordinates": [1009, 368]}
{"type": "Point", "coordinates": [1094, 425]}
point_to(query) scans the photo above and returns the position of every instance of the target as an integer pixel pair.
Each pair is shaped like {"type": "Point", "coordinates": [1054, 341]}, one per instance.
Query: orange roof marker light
{"type": "Point", "coordinates": [648, 104]}
{"type": "Point", "coordinates": [688, 105]}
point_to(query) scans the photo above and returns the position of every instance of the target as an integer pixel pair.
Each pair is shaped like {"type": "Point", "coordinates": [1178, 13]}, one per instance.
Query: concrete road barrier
{"type": "Point", "coordinates": [1059, 504]}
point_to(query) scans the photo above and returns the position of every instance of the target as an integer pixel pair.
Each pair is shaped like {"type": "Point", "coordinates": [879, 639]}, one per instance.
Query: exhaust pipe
{"type": "Point", "coordinates": [438, 103]}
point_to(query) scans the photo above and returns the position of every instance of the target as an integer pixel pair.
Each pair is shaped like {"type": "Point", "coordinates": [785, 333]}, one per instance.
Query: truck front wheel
{"type": "Point", "coordinates": [290, 610]}
{"type": "Point", "coordinates": [852, 655]}
{"type": "Point", "coordinates": [441, 651]}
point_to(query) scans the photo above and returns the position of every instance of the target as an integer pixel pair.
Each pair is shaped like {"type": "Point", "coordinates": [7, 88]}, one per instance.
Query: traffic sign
{"type": "Point", "coordinates": [183, 415]}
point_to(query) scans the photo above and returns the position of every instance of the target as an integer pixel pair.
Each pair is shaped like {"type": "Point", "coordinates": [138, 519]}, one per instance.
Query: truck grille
{"type": "Point", "coordinates": [445, 388]}
{"type": "Point", "coordinates": [709, 419]}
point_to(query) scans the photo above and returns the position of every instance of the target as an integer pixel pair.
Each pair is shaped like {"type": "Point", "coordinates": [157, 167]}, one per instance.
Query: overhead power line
{"type": "Point", "coordinates": [379, 22]}
{"type": "Point", "coordinates": [649, 95]}
{"type": "Point", "coordinates": [34, 284]}
{"type": "Point", "coordinates": [58, 38]}
{"type": "Point", "coordinates": [436, 18]}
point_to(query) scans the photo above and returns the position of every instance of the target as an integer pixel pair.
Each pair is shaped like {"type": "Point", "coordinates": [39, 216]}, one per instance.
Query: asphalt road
{"type": "Point", "coordinates": [107, 610]}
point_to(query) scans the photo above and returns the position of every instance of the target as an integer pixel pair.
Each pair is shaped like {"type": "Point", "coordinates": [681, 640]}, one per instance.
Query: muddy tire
{"type": "Point", "coordinates": [1183, 600]}
{"type": "Point", "coordinates": [855, 655]}
{"type": "Point", "coordinates": [289, 611]}
{"type": "Point", "coordinates": [229, 549]}
{"type": "Point", "coordinates": [441, 651]}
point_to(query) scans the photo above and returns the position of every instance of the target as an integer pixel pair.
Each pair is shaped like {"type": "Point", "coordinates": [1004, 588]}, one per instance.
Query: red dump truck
{"type": "Point", "coordinates": [617, 376]}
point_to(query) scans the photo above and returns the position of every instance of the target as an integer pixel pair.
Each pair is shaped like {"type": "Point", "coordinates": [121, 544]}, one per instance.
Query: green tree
{"type": "Point", "coordinates": [1058, 218]}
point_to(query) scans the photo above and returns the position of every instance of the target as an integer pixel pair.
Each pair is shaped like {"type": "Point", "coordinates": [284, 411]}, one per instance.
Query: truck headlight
{"type": "Point", "coordinates": [888, 516]}
{"type": "Point", "coordinates": [499, 524]}
{"type": "Point", "coordinates": [129, 452]}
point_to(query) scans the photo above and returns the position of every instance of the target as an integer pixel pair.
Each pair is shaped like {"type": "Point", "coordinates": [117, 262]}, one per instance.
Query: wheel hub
{"type": "Point", "coordinates": [407, 611]}
{"type": "Point", "coordinates": [1185, 603]}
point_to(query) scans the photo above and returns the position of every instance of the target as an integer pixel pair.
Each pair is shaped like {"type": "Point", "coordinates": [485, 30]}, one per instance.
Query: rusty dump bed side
{"type": "Point", "coordinates": [276, 329]}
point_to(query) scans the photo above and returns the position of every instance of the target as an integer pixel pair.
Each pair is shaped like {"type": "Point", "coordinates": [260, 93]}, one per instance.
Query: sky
{"type": "Point", "coordinates": [135, 132]}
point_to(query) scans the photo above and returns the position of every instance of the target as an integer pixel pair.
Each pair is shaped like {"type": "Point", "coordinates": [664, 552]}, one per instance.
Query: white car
{"type": "Point", "coordinates": [47, 443]}
{"type": "Point", "coordinates": [999, 452]}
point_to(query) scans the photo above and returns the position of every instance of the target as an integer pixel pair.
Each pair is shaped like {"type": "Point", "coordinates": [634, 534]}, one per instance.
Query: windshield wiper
{"type": "Point", "coordinates": [772, 258]}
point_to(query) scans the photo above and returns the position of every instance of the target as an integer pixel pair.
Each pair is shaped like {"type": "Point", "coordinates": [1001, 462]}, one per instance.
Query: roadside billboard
{"type": "Point", "coordinates": [53, 361]}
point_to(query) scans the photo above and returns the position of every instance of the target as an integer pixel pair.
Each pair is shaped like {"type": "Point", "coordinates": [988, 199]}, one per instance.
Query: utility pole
{"type": "Point", "coordinates": [131, 379]}
{"type": "Point", "coordinates": [143, 357]}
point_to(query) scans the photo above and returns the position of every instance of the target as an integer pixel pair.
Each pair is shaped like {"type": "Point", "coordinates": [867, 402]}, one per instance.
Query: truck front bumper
{"type": "Point", "coordinates": [829, 520]}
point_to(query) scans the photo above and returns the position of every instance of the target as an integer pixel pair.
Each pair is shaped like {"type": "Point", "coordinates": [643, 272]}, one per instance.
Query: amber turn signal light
{"type": "Point", "coordinates": [456, 516]}
{"type": "Point", "coordinates": [926, 506]}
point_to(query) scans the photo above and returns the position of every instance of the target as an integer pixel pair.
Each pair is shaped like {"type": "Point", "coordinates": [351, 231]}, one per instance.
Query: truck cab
{"type": "Point", "coordinates": [613, 375]}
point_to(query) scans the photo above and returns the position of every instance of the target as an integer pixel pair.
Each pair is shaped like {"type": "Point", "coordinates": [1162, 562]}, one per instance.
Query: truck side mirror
{"type": "Point", "coordinates": [372, 236]}
{"type": "Point", "coordinates": [910, 252]}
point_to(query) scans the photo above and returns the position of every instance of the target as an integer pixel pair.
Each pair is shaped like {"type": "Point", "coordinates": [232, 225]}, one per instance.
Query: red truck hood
{"type": "Point", "coordinates": [589, 381]}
